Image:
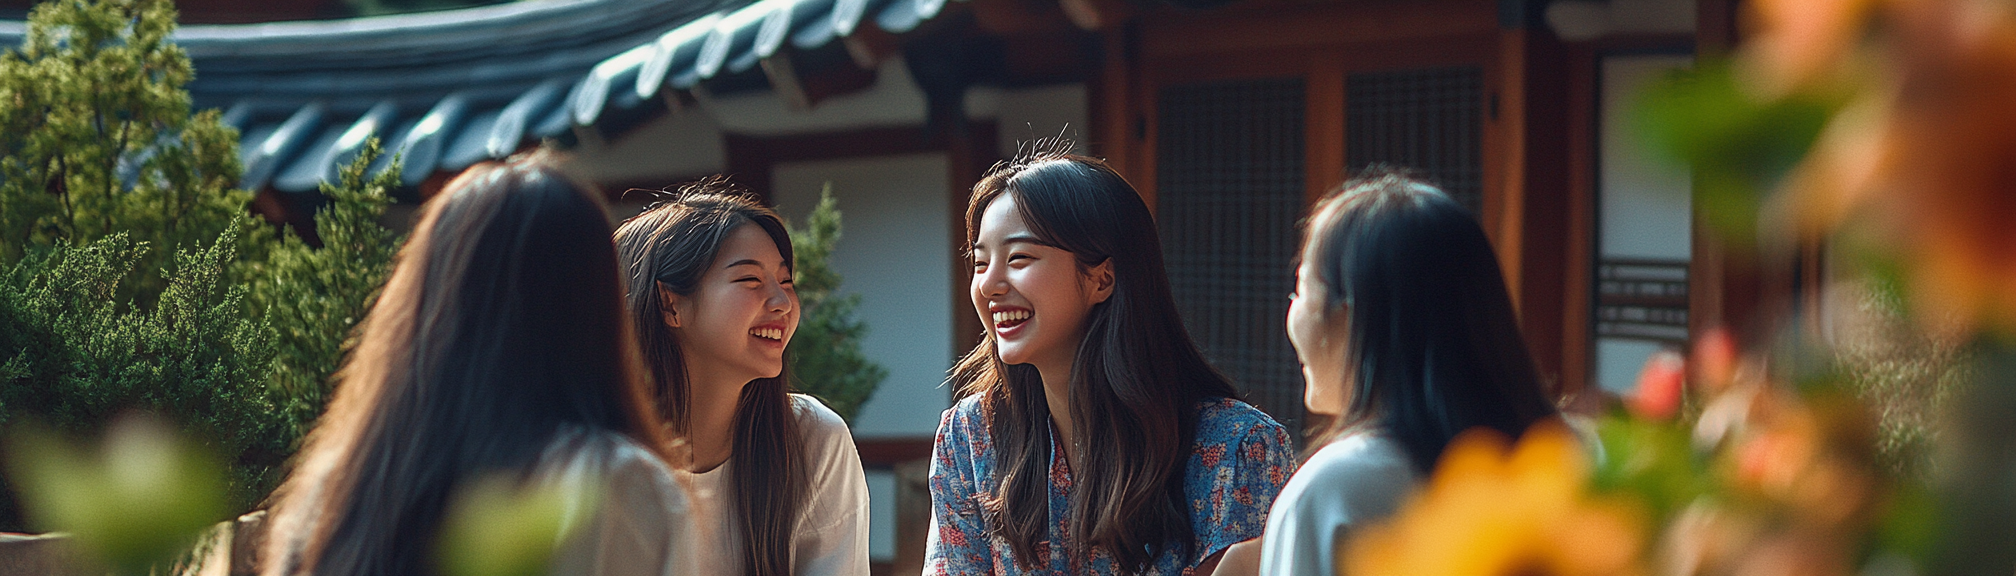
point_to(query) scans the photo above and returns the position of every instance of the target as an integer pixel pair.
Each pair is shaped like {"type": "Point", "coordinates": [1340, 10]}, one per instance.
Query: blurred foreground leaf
{"type": "Point", "coordinates": [137, 501]}
{"type": "Point", "coordinates": [495, 527]}
{"type": "Point", "coordinates": [1738, 145]}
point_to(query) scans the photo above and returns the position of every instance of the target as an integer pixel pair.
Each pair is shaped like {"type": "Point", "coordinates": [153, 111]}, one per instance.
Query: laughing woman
{"type": "Point", "coordinates": [780, 486]}
{"type": "Point", "coordinates": [1094, 438]}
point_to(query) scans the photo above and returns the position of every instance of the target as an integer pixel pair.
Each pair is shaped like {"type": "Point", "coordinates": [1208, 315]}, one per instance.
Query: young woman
{"type": "Point", "coordinates": [710, 291]}
{"type": "Point", "coordinates": [1094, 439]}
{"type": "Point", "coordinates": [499, 346]}
{"type": "Point", "coordinates": [1406, 334]}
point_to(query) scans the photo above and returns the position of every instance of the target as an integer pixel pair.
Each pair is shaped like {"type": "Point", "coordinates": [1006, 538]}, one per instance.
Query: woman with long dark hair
{"type": "Point", "coordinates": [1407, 336]}
{"type": "Point", "coordinates": [709, 286]}
{"type": "Point", "coordinates": [499, 347]}
{"type": "Point", "coordinates": [1094, 438]}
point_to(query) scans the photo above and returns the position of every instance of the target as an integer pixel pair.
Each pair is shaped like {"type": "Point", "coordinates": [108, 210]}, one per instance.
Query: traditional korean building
{"type": "Point", "coordinates": [1230, 116]}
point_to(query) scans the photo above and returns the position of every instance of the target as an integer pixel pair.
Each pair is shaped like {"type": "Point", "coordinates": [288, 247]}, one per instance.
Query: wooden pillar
{"type": "Point", "coordinates": [968, 155]}
{"type": "Point", "coordinates": [1119, 123]}
{"type": "Point", "coordinates": [1579, 248]}
{"type": "Point", "coordinates": [1545, 213]}
{"type": "Point", "coordinates": [1530, 216]}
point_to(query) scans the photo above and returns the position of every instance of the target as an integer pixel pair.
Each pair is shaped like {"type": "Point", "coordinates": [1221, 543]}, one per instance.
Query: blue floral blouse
{"type": "Point", "coordinates": [1239, 462]}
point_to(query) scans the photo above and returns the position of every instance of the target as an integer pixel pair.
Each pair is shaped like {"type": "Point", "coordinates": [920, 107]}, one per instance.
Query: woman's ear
{"type": "Point", "coordinates": [672, 306]}
{"type": "Point", "coordinates": [1100, 281]}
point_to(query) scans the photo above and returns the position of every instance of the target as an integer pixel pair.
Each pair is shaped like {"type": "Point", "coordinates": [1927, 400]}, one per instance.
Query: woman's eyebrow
{"type": "Point", "coordinates": [743, 262]}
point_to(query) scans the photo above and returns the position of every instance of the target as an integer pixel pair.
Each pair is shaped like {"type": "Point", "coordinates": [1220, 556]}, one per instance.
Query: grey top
{"type": "Point", "coordinates": [1356, 479]}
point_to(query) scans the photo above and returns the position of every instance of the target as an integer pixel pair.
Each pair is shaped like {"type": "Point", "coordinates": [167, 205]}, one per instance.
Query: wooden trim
{"type": "Point", "coordinates": [1323, 167]}
{"type": "Point", "coordinates": [1504, 179]}
{"type": "Point", "coordinates": [969, 159]}
{"type": "Point", "coordinates": [1172, 33]}
{"type": "Point", "coordinates": [885, 453]}
{"type": "Point", "coordinates": [1545, 203]}
{"type": "Point", "coordinates": [1577, 356]}
{"type": "Point", "coordinates": [1147, 130]}
{"type": "Point", "coordinates": [751, 158]}
{"type": "Point", "coordinates": [1112, 95]}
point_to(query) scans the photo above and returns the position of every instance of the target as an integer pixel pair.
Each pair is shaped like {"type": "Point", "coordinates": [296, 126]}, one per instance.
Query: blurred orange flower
{"type": "Point", "coordinates": [1660, 384]}
{"type": "Point", "coordinates": [1492, 509]}
{"type": "Point", "coordinates": [1926, 147]}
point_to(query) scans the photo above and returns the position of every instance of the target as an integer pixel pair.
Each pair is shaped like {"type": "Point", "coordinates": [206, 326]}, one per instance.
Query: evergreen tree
{"type": "Point", "coordinates": [825, 353]}
{"type": "Point", "coordinates": [136, 276]}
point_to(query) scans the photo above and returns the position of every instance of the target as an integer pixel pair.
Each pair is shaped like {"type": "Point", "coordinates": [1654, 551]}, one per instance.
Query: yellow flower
{"type": "Point", "coordinates": [1493, 510]}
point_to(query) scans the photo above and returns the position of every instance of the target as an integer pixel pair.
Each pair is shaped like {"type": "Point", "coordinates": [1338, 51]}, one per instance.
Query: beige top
{"type": "Point", "coordinates": [637, 529]}
{"type": "Point", "coordinates": [831, 537]}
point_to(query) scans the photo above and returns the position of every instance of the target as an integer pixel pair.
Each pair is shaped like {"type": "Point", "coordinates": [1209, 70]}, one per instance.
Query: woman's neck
{"type": "Point", "coordinates": [1056, 377]}
{"type": "Point", "coordinates": [710, 424]}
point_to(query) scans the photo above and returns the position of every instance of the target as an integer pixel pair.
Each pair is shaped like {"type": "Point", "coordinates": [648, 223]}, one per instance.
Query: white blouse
{"type": "Point", "coordinates": [1356, 479]}
{"type": "Point", "coordinates": [638, 527]}
{"type": "Point", "coordinates": [831, 536]}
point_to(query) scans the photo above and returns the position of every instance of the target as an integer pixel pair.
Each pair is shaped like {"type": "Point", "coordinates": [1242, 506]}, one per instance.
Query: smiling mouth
{"type": "Point", "coordinates": [768, 333]}
{"type": "Point", "coordinates": [1006, 319]}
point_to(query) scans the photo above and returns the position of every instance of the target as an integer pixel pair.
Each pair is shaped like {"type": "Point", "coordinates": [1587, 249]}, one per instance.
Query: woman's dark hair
{"type": "Point", "coordinates": [1434, 344]}
{"type": "Point", "coordinates": [501, 324]}
{"type": "Point", "coordinates": [671, 244]}
{"type": "Point", "coordinates": [1136, 383]}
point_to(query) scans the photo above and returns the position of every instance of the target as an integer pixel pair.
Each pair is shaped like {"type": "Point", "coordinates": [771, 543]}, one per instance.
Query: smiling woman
{"type": "Point", "coordinates": [1095, 439]}
{"type": "Point", "coordinates": [710, 288]}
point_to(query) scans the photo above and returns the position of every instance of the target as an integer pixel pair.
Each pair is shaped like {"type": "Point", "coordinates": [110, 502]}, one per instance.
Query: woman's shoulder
{"type": "Point", "coordinates": [1360, 461]}
{"type": "Point", "coordinates": [580, 449]}
{"type": "Point", "coordinates": [1229, 419]}
{"type": "Point", "coordinates": [814, 417]}
{"type": "Point", "coordinates": [965, 417]}
{"type": "Point", "coordinates": [825, 433]}
{"type": "Point", "coordinates": [1354, 479]}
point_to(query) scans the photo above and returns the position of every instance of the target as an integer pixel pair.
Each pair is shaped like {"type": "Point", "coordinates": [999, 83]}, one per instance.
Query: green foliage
{"type": "Point", "coordinates": [74, 355]}
{"type": "Point", "coordinates": [314, 297]}
{"type": "Point", "coordinates": [104, 175]}
{"type": "Point", "coordinates": [96, 137]}
{"type": "Point", "coordinates": [1738, 144]}
{"type": "Point", "coordinates": [826, 351]}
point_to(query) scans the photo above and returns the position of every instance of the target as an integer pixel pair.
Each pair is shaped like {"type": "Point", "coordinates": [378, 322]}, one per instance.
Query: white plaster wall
{"type": "Point", "coordinates": [894, 100]}
{"type": "Point", "coordinates": [896, 252]}
{"type": "Point", "coordinates": [1644, 202]}
{"type": "Point", "coordinates": [680, 144]}
{"type": "Point", "coordinates": [1031, 113]}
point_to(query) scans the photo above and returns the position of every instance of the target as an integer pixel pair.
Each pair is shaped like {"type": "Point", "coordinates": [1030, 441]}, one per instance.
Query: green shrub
{"type": "Point", "coordinates": [825, 353]}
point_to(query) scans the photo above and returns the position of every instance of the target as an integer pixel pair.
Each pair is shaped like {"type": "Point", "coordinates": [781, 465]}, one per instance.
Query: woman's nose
{"type": "Point", "coordinates": [780, 299]}
{"type": "Point", "coordinates": [991, 282]}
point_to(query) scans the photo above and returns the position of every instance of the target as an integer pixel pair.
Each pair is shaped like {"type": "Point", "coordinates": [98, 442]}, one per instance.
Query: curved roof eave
{"type": "Point", "coordinates": [449, 88]}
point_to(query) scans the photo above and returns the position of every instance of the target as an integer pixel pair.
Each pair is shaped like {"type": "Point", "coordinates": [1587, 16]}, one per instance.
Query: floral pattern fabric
{"type": "Point", "coordinates": [1240, 459]}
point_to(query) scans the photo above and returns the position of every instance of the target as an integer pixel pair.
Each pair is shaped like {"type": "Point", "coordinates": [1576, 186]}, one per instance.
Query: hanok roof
{"type": "Point", "coordinates": [448, 89]}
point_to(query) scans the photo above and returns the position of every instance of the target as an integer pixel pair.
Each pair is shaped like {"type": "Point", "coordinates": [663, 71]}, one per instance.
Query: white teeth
{"type": "Point", "coordinates": [1010, 316]}
{"type": "Point", "coordinates": [770, 333]}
